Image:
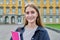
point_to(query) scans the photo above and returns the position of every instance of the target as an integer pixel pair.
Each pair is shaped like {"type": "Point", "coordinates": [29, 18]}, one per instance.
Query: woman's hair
{"type": "Point", "coordinates": [38, 19]}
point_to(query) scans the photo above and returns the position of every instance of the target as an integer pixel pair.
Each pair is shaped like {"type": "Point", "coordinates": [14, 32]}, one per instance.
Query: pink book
{"type": "Point", "coordinates": [16, 36]}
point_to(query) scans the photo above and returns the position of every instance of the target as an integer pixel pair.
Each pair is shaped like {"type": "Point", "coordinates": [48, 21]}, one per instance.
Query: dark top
{"type": "Point", "coordinates": [40, 34]}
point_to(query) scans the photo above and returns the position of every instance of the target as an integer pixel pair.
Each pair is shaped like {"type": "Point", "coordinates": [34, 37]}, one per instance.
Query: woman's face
{"type": "Point", "coordinates": [30, 14]}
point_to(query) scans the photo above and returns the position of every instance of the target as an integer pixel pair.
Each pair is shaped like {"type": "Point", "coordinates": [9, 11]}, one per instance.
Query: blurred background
{"type": "Point", "coordinates": [12, 16]}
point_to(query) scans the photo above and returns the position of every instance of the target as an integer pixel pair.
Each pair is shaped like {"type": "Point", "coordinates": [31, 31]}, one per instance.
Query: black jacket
{"type": "Point", "coordinates": [40, 34]}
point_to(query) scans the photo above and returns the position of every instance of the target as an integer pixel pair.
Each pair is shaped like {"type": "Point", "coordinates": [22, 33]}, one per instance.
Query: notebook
{"type": "Point", "coordinates": [16, 35]}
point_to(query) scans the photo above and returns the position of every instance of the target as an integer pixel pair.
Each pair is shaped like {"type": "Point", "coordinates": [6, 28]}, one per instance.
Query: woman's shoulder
{"type": "Point", "coordinates": [41, 29]}
{"type": "Point", "coordinates": [43, 33]}
{"type": "Point", "coordinates": [19, 29]}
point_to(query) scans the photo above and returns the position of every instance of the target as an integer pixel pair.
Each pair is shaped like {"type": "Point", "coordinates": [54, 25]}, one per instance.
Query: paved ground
{"type": "Point", "coordinates": [53, 35]}
{"type": "Point", "coordinates": [5, 32]}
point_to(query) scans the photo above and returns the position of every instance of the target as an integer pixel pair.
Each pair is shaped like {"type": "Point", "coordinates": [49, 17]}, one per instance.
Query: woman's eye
{"type": "Point", "coordinates": [32, 12]}
{"type": "Point", "coordinates": [27, 12]}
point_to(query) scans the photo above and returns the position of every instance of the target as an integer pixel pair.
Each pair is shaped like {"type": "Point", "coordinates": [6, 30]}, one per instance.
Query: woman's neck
{"type": "Point", "coordinates": [31, 25]}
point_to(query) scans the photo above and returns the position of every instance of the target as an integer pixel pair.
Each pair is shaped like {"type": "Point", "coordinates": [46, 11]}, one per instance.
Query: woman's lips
{"type": "Point", "coordinates": [31, 18]}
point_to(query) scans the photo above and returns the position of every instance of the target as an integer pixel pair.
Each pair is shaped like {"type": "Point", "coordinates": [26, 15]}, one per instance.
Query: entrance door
{"type": "Point", "coordinates": [6, 20]}
{"type": "Point", "coordinates": [13, 20]}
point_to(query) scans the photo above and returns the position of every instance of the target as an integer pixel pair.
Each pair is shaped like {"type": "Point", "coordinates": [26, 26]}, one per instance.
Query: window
{"type": "Point", "coordinates": [7, 10]}
{"type": "Point", "coordinates": [13, 1]}
{"type": "Point", "coordinates": [44, 11]}
{"type": "Point", "coordinates": [1, 1]}
{"type": "Point", "coordinates": [57, 20]}
{"type": "Point", "coordinates": [57, 1]}
{"type": "Point", "coordinates": [19, 20]}
{"type": "Point", "coordinates": [19, 2]}
{"type": "Point", "coordinates": [7, 1]}
{"type": "Point", "coordinates": [51, 11]}
{"type": "Point", "coordinates": [1, 11]}
{"type": "Point", "coordinates": [44, 15]}
{"type": "Point", "coordinates": [19, 11]}
{"type": "Point", "coordinates": [13, 10]}
{"type": "Point", "coordinates": [57, 11]}
{"type": "Point", "coordinates": [50, 1]}
{"type": "Point", "coordinates": [44, 20]}
{"type": "Point", "coordinates": [51, 20]}
{"type": "Point", "coordinates": [57, 14]}
{"type": "Point", "coordinates": [25, 1]}
{"type": "Point", "coordinates": [32, 1]}
{"type": "Point", "coordinates": [51, 14]}
{"type": "Point", "coordinates": [38, 1]}
{"type": "Point", "coordinates": [44, 1]}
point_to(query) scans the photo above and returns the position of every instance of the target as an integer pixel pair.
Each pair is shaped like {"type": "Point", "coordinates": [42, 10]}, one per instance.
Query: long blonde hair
{"type": "Point", "coordinates": [38, 19]}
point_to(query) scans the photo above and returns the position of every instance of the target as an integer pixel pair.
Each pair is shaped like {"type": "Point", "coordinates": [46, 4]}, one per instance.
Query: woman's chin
{"type": "Point", "coordinates": [31, 21]}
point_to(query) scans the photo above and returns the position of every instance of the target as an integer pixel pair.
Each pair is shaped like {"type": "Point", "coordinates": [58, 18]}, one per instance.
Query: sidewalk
{"type": "Point", "coordinates": [53, 34]}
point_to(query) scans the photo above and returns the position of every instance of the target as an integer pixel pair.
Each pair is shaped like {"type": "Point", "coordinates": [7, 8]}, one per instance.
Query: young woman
{"type": "Point", "coordinates": [33, 28]}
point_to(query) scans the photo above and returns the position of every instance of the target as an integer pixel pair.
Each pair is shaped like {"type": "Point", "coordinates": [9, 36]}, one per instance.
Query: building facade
{"type": "Point", "coordinates": [12, 11]}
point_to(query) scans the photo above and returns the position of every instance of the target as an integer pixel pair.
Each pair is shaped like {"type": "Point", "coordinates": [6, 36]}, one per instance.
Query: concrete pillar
{"type": "Point", "coordinates": [3, 19]}
{"type": "Point", "coordinates": [16, 20]}
{"type": "Point", "coordinates": [22, 20]}
{"type": "Point", "coordinates": [9, 19]}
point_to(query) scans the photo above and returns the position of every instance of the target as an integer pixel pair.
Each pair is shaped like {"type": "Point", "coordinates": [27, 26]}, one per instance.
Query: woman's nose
{"type": "Point", "coordinates": [30, 14]}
